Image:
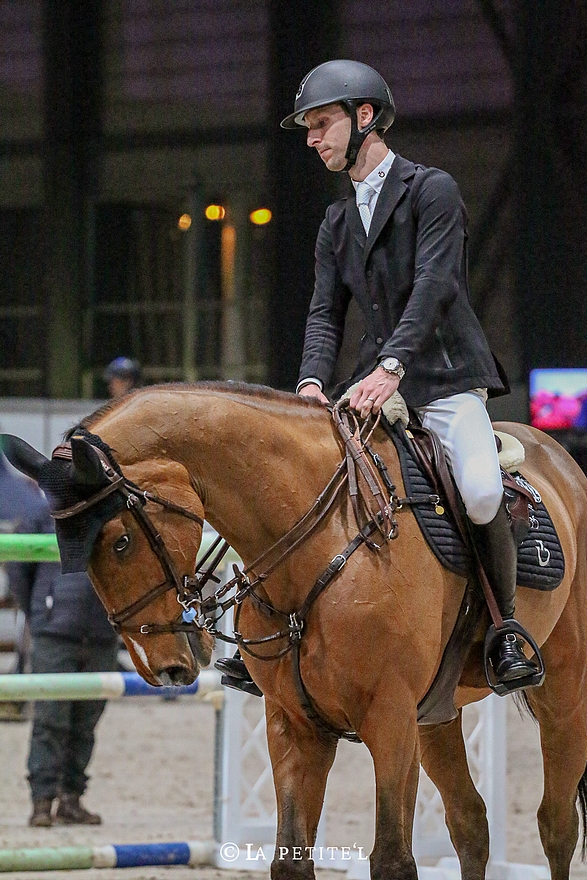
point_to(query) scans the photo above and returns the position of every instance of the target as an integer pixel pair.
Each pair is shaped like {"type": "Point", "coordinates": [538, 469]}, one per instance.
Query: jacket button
{"type": "Point", "coordinates": [369, 273]}
{"type": "Point", "coordinates": [379, 340]}
{"type": "Point", "coordinates": [375, 307]}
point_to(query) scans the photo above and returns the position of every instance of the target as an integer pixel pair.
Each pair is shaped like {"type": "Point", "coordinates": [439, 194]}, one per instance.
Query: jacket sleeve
{"type": "Point", "coordinates": [327, 313]}
{"type": "Point", "coordinates": [21, 575]}
{"type": "Point", "coordinates": [440, 247]}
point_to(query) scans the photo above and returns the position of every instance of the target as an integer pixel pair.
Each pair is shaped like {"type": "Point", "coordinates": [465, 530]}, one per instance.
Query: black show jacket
{"type": "Point", "coordinates": [409, 278]}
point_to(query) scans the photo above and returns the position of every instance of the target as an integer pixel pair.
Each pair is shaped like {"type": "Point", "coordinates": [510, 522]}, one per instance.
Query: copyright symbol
{"type": "Point", "coordinates": [229, 852]}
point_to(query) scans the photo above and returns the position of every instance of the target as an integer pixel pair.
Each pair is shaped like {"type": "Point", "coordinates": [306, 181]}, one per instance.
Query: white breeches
{"type": "Point", "coordinates": [464, 427]}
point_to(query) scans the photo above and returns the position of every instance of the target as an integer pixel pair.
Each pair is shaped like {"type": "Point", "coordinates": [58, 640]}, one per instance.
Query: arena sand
{"type": "Point", "coordinates": [152, 780]}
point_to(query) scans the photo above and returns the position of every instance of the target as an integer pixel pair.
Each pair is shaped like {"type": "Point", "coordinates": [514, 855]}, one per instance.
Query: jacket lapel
{"type": "Point", "coordinates": [392, 191]}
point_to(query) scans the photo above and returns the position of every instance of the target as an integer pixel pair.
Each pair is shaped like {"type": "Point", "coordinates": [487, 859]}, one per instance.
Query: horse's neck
{"type": "Point", "coordinates": [263, 473]}
{"type": "Point", "coordinates": [257, 465]}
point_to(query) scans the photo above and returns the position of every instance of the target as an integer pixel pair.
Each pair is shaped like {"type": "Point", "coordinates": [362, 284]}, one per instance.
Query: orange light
{"type": "Point", "coordinates": [184, 222]}
{"type": "Point", "coordinates": [261, 216]}
{"type": "Point", "coordinates": [227, 259]}
{"type": "Point", "coordinates": [215, 212]}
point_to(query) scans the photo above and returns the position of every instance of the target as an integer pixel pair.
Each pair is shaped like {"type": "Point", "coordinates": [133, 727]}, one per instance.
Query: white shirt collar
{"type": "Point", "coordinates": [376, 178]}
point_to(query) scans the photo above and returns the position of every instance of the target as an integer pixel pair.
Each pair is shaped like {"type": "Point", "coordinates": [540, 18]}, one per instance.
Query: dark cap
{"type": "Point", "coordinates": [123, 368]}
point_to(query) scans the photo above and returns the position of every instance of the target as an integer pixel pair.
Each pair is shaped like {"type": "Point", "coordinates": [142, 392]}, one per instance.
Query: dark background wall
{"type": "Point", "coordinates": [118, 117]}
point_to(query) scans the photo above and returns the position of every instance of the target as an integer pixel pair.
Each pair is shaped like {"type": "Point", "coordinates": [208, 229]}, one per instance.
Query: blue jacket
{"type": "Point", "coordinates": [56, 604]}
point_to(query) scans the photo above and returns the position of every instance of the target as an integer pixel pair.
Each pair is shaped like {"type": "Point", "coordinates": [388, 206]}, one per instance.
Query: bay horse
{"type": "Point", "coordinates": [252, 462]}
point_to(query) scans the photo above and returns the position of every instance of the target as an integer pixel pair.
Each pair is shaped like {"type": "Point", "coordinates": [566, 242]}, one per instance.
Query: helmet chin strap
{"type": "Point", "coordinates": [358, 135]}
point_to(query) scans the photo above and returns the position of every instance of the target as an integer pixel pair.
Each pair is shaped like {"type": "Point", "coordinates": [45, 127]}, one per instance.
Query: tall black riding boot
{"type": "Point", "coordinates": [497, 551]}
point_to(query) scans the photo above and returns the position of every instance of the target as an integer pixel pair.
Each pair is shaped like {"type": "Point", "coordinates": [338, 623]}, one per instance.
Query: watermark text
{"type": "Point", "coordinates": [230, 852]}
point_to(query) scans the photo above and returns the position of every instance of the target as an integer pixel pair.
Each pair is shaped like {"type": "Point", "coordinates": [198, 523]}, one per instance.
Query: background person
{"type": "Point", "coordinates": [20, 499]}
{"type": "Point", "coordinates": [122, 375]}
{"type": "Point", "coordinates": [70, 633]}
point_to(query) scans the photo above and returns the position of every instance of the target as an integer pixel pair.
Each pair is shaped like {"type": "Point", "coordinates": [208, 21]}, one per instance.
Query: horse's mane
{"type": "Point", "coordinates": [262, 392]}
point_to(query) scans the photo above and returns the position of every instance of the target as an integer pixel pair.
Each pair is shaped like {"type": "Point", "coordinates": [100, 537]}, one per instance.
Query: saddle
{"type": "Point", "coordinates": [444, 525]}
{"type": "Point", "coordinates": [425, 472]}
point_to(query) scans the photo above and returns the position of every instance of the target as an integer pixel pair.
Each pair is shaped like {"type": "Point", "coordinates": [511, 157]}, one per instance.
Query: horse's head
{"type": "Point", "coordinates": [137, 534]}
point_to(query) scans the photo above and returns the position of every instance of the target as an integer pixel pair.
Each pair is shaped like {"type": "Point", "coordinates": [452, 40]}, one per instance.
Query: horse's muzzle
{"type": "Point", "coordinates": [176, 676]}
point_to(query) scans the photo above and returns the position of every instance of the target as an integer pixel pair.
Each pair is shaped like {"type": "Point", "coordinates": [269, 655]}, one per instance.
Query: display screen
{"type": "Point", "coordinates": [558, 399]}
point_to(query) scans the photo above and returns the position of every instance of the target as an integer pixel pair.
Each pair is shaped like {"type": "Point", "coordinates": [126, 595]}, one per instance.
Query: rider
{"type": "Point", "coordinates": [398, 246]}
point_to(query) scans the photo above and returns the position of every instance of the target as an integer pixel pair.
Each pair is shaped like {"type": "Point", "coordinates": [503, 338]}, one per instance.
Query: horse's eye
{"type": "Point", "coordinates": [122, 543]}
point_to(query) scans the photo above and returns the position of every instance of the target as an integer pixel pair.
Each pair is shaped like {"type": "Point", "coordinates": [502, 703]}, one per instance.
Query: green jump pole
{"type": "Point", "coordinates": [54, 686]}
{"type": "Point", "coordinates": [28, 548]}
{"type": "Point", "coordinates": [63, 858]}
{"type": "Point", "coordinates": [43, 548]}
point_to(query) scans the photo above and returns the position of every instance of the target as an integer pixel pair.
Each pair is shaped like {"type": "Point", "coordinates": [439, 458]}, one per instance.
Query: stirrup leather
{"type": "Point", "coordinates": [493, 636]}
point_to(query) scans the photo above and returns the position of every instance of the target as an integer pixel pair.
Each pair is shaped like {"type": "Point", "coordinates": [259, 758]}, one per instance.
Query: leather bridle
{"type": "Point", "coordinates": [136, 500]}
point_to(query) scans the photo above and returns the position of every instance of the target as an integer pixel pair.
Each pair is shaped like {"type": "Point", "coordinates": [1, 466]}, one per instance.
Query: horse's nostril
{"type": "Point", "coordinates": [175, 676]}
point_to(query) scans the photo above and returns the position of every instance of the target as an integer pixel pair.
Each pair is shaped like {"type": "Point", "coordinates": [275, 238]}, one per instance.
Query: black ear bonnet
{"type": "Point", "coordinates": [65, 485]}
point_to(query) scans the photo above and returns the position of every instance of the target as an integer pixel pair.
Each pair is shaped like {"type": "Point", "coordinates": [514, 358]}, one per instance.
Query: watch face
{"type": "Point", "coordinates": [393, 365]}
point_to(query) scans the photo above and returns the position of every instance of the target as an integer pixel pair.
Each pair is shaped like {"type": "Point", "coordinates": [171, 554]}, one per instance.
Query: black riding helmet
{"type": "Point", "coordinates": [350, 83]}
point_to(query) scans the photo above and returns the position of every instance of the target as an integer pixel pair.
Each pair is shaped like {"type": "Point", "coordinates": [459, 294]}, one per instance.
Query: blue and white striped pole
{"type": "Point", "coordinates": [96, 686]}
{"type": "Point", "coordinates": [130, 855]}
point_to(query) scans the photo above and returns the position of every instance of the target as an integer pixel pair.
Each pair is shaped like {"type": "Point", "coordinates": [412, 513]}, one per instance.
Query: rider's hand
{"type": "Point", "coordinates": [313, 390]}
{"type": "Point", "coordinates": [372, 392]}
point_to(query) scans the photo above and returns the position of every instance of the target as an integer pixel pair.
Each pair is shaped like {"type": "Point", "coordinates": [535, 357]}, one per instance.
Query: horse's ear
{"type": "Point", "coordinates": [24, 458]}
{"type": "Point", "coordinates": [87, 465]}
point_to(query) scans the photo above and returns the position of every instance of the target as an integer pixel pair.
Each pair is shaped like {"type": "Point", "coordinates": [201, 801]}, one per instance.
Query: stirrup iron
{"type": "Point", "coordinates": [493, 636]}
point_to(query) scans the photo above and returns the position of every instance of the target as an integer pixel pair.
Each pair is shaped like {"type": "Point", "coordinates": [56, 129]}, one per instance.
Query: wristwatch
{"type": "Point", "coordinates": [392, 365]}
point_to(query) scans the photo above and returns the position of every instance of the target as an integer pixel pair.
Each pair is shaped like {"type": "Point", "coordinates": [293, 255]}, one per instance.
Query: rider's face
{"type": "Point", "coordinates": [329, 129]}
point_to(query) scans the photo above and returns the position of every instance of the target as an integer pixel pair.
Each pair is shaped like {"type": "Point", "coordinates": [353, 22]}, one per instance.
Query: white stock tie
{"type": "Point", "coordinates": [364, 193]}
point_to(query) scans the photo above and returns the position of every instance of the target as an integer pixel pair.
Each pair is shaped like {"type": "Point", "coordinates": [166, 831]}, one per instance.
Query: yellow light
{"type": "Point", "coordinates": [184, 222]}
{"type": "Point", "coordinates": [215, 212]}
{"type": "Point", "coordinates": [261, 216]}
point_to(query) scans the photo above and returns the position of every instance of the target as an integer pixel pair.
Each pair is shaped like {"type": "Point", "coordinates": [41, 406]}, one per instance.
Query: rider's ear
{"type": "Point", "coordinates": [365, 113]}
{"type": "Point", "coordinates": [24, 458]}
{"type": "Point", "coordinates": [87, 465]}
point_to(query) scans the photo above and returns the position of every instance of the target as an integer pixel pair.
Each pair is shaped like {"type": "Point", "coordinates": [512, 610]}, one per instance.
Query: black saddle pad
{"type": "Point", "coordinates": [541, 563]}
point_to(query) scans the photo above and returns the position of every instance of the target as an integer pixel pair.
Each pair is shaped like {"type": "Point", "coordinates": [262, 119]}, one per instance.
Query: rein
{"type": "Point", "coordinates": [374, 503]}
